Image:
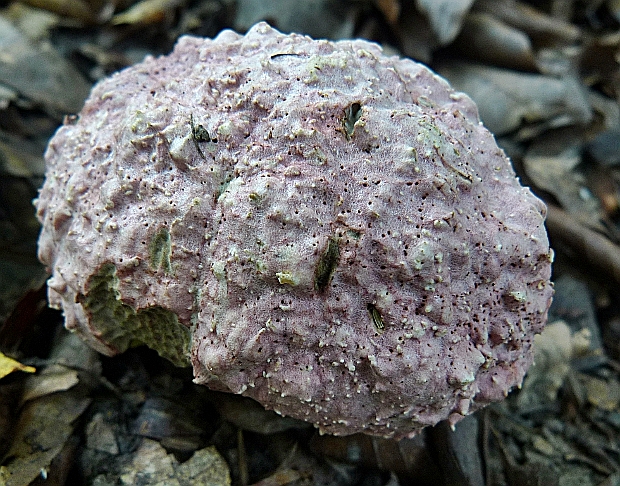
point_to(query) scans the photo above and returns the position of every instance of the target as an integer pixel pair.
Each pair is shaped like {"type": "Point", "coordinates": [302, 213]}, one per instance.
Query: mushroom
{"type": "Point", "coordinates": [313, 224]}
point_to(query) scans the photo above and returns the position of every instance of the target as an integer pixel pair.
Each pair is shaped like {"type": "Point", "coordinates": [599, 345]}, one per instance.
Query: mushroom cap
{"type": "Point", "coordinates": [313, 224]}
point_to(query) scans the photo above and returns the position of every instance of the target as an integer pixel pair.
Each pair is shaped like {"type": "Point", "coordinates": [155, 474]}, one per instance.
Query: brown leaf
{"type": "Point", "coordinates": [593, 250]}
{"type": "Point", "coordinates": [39, 73]}
{"type": "Point", "coordinates": [54, 378]}
{"type": "Point", "coordinates": [602, 393]}
{"type": "Point", "coordinates": [73, 9]}
{"type": "Point", "coordinates": [557, 157]}
{"type": "Point", "coordinates": [408, 458]}
{"type": "Point", "coordinates": [488, 39]}
{"type": "Point", "coordinates": [151, 464]}
{"type": "Point", "coordinates": [534, 22]}
{"type": "Point", "coordinates": [247, 414]}
{"type": "Point", "coordinates": [314, 18]}
{"type": "Point", "coordinates": [43, 428]}
{"type": "Point", "coordinates": [508, 98]}
{"type": "Point", "coordinates": [390, 9]}
{"type": "Point", "coordinates": [445, 17]}
{"type": "Point", "coordinates": [553, 352]}
{"type": "Point", "coordinates": [146, 12]}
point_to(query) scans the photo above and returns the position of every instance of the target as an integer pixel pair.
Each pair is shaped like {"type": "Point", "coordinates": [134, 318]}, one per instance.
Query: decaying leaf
{"type": "Point", "coordinates": [101, 435]}
{"type": "Point", "coordinates": [506, 98]}
{"type": "Point", "coordinates": [602, 393]}
{"type": "Point", "coordinates": [587, 248]}
{"type": "Point", "coordinates": [445, 16]}
{"type": "Point", "coordinates": [458, 452]}
{"type": "Point", "coordinates": [573, 304]}
{"type": "Point", "coordinates": [532, 21]}
{"type": "Point", "coordinates": [553, 351]}
{"type": "Point", "coordinates": [43, 427]}
{"type": "Point", "coordinates": [34, 22]}
{"type": "Point", "coordinates": [52, 379]}
{"type": "Point", "coordinates": [151, 464]}
{"type": "Point", "coordinates": [7, 95]}
{"type": "Point", "coordinates": [488, 39]}
{"type": "Point", "coordinates": [557, 157]}
{"type": "Point", "coordinates": [146, 12]}
{"type": "Point", "coordinates": [176, 425]}
{"type": "Point", "coordinates": [246, 414]}
{"type": "Point", "coordinates": [20, 273]}
{"type": "Point", "coordinates": [389, 8]}
{"type": "Point", "coordinates": [20, 157]}
{"type": "Point", "coordinates": [9, 365]}
{"type": "Point", "coordinates": [416, 37]}
{"type": "Point", "coordinates": [84, 11]}
{"type": "Point", "coordinates": [39, 73]}
{"type": "Point", "coordinates": [410, 459]}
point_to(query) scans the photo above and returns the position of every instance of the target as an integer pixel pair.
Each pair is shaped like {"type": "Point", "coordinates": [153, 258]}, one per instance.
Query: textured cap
{"type": "Point", "coordinates": [313, 224]}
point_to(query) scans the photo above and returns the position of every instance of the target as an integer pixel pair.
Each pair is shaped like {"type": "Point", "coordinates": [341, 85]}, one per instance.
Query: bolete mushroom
{"type": "Point", "coordinates": [313, 224]}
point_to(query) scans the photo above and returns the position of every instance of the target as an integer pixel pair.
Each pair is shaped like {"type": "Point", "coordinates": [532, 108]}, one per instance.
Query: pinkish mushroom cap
{"type": "Point", "coordinates": [313, 224]}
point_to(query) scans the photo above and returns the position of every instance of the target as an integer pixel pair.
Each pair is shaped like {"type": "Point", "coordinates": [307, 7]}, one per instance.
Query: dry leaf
{"type": "Point", "coordinates": [9, 365]}
{"type": "Point", "coordinates": [43, 428]}
{"type": "Point", "coordinates": [53, 379]}
{"type": "Point", "coordinates": [280, 478]}
{"type": "Point", "coordinates": [390, 9]}
{"type": "Point", "coordinates": [604, 147]}
{"type": "Point", "coordinates": [415, 35]}
{"type": "Point", "coordinates": [101, 435]}
{"type": "Point", "coordinates": [555, 158]}
{"type": "Point", "coordinates": [445, 17]}
{"type": "Point", "coordinates": [589, 249]}
{"type": "Point", "coordinates": [534, 22]}
{"type": "Point", "coordinates": [178, 426]}
{"type": "Point", "coordinates": [20, 157]}
{"type": "Point", "coordinates": [552, 353]}
{"type": "Point", "coordinates": [206, 466]}
{"type": "Point", "coordinates": [507, 98]}
{"type": "Point", "coordinates": [35, 23]}
{"type": "Point", "coordinates": [408, 458]}
{"type": "Point", "coordinates": [457, 450]}
{"type": "Point", "coordinates": [20, 272]}
{"type": "Point", "coordinates": [39, 73]}
{"type": "Point", "coordinates": [74, 9]}
{"type": "Point", "coordinates": [246, 414]}
{"type": "Point", "coordinates": [601, 393]}
{"type": "Point", "coordinates": [146, 12]}
{"type": "Point", "coordinates": [488, 39]}
{"type": "Point", "coordinates": [151, 464]}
